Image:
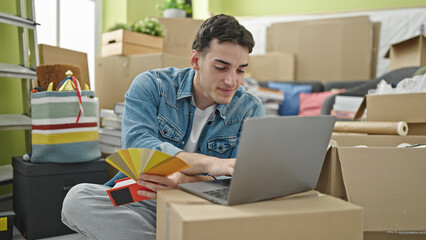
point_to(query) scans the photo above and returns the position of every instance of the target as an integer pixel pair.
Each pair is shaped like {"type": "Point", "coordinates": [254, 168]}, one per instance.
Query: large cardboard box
{"type": "Point", "coordinates": [114, 74]}
{"type": "Point", "coordinates": [385, 180]}
{"type": "Point", "coordinates": [408, 53]}
{"type": "Point", "coordinates": [273, 66]}
{"type": "Point", "coordinates": [397, 107]}
{"type": "Point", "coordinates": [180, 33]}
{"type": "Point", "coordinates": [122, 42]}
{"type": "Point", "coordinates": [181, 215]}
{"type": "Point", "coordinates": [338, 49]}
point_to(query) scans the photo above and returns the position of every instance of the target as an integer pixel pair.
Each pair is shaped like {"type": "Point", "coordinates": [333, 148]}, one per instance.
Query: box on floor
{"type": "Point", "coordinates": [386, 181]}
{"type": "Point", "coordinates": [408, 53]}
{"type": "Point", "coordinates": [272, 66]}
{"type": "Point", "coordinates": [181, 215]}
{"type": "Point", "coordinates": [326, 50]}
{"type": "Point", "coordinates": [114, 74]}
{"type": "Point", "coordinates": [7, 219]}
{"type": "Point", "coordinates": [397, 107]}
{"type": "Point", "coordinates": [122, 42]}
{"type": "Point", "coordinates": [39, 190]}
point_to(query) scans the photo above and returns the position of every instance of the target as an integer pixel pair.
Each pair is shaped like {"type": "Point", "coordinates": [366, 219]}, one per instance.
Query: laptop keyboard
{"type": "Point", "coordinates": [219, 193]}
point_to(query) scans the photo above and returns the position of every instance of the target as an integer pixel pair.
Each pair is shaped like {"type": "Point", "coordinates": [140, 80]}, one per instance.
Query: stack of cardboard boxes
{"type": "Point", "coordinates": [127, 54]}
{"type": "Point", "coordinates": [326, 50]}
{"type": "Point", "coordinates": [386, 180]}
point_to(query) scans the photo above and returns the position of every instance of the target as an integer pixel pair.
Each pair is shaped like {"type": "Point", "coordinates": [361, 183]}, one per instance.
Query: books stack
{"type": "Point", "coordinates": [345, 107]}
{"type": "Point", "coordinates": [271, 99]}
{"type": "Point", "coordinates": [110, 130]}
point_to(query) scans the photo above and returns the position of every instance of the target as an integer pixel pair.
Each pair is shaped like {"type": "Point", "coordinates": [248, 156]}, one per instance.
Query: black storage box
{"type": "Point", "coordinates": [39, 190]}
{"type": "Point", "coordinates": [6, 225]}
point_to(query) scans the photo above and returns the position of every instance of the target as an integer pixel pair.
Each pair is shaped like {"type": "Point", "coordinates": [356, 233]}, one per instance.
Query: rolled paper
{"type": "Point", "coordinates": [369, 127]}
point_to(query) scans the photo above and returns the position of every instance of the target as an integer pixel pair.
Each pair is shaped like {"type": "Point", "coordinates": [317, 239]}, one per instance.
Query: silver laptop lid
{"type": "Point", "coordinates": [279, 156]}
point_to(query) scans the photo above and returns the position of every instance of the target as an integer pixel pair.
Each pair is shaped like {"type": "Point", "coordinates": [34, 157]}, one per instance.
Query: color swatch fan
{"type": "Point", "coordinates": [134, 161]}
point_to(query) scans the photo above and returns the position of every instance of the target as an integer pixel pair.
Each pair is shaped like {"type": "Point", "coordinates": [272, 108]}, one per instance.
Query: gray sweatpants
{"type": "Point", "coordinates": [88, 210]}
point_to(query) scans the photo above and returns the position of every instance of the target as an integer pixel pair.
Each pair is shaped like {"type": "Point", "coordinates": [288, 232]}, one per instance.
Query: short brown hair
{"type": "Point", "coordinates": [224, 28]}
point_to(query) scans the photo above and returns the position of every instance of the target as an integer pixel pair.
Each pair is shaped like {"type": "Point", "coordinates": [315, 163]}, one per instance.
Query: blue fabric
{"type": "Point", "coordinates": [290, 105]}
{"type": "Point", "coordinates": [159, 110]}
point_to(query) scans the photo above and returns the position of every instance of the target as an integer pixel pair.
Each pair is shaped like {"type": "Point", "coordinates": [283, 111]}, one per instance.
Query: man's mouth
{"type": "Point", "coordinates": [227, 91]}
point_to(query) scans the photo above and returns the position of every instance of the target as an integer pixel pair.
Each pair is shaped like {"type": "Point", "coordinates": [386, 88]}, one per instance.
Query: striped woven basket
{"type": "Point", "coordinates": [64, 129]}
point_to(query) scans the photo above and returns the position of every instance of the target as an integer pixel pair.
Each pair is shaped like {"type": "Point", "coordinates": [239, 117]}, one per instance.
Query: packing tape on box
{"type": "Point", "coordinates": [386, 128]}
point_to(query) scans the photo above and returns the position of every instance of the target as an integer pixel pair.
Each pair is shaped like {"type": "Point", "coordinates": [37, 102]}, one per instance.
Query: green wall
{"type": "Point", "coordinates": [128, 11]}
{"type": "Point", "coordinates": [12, 142]}
{"type": "Point", "coordinates": [279, 7]}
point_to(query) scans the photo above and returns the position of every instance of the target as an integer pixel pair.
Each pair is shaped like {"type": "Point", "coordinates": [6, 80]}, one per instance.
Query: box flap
{"type": "Point", "coordinates": [397, 107]}
{"type": "Point", "coordinates": [361, 109]}
{"type": "Point", "coordinates": [389, 184]}
{"type": "Point", "coordinates": [387, 55]}
{"type": "Point", "coordinates": [350, 140]}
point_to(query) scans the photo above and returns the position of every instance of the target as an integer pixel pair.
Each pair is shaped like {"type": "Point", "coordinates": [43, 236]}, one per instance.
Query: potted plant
{"type": "Point", "coordinates": [150, 26]}
{"type": "Point", "coordinates": [145, 36]}
{"type": "Point", "coordinates": [175, 8]}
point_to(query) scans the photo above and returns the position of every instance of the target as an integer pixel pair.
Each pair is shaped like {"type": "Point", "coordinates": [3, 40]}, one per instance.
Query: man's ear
{"type": "Point", "coordinates": [194, 60]}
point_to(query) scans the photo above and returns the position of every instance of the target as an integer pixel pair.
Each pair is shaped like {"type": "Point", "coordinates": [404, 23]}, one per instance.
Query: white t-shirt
{"type": "Point", "coordinates": [200, 119]}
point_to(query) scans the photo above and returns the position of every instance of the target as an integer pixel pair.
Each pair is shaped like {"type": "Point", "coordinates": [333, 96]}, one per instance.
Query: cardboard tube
{"type": "Point", "coordinates": [387, 128]}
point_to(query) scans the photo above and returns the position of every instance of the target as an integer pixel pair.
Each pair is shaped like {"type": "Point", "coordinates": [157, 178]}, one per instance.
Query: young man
{"type": "Point", "coordinates": [195, 114]}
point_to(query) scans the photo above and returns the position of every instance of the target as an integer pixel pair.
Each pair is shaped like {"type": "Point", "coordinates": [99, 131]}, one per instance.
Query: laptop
{"type": "Point", "coordinates": [277, 156]}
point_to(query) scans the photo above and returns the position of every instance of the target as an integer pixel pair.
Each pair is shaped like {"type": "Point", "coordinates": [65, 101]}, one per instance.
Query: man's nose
{"type": "Point", "coordinates": [231, 78]}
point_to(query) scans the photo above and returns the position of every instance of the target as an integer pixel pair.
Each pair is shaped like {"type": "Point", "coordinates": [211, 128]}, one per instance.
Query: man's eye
{"type": "Point", "coordinates": [220, 68]}
{"type": "Point", "coordinates": [241, 71]}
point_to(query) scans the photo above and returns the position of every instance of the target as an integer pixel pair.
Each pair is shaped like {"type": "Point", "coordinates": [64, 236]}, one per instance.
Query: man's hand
{"type": "Point", "coordinates": [222, 167]}
{"type": "Point", "coordinates": [157, 182]}
{"type": "Point", "coordinates": [206, 164]}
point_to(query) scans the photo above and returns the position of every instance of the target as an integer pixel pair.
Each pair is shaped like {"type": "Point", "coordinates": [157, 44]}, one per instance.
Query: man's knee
{"type": "Point", "coordinates": [75, 202]}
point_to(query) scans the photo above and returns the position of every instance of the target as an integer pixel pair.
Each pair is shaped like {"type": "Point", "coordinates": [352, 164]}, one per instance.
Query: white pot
{"type": "Point", "coordinates": [174, 13]}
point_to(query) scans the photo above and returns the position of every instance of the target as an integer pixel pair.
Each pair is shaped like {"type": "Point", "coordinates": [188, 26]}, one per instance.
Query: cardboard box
{"type": "Point", "coordinates": [273, 66]}
{"type": "Point", "coordinates": [408, 53]}
{"type": "Point", "coordinates": [180, 33]}
{"type": "Point", "coordinates": [386, 181]}
{"type": "Point", "coordinates": [53, 55]}
{"type": "Point", "coordinates": [114, 74]}
{"type": "Point", "coordinates": [181, 215]}
{"type": "Point", "coordinates": [39, 190]}
{"type": "Point", "coordinates": [397, 107]}
{"type": "Point", "coordinates": [7, 219]}
{"type": "Point", "coordinates": [331, 180]}
{"type": "Point", "coordinates": [338, 49]}
{"type": "Point", "coordinates": [122, 42]}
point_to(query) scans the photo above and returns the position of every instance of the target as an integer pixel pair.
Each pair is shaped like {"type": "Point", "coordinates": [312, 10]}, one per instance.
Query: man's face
{"type": "Point", "coordinates": [219, 73]}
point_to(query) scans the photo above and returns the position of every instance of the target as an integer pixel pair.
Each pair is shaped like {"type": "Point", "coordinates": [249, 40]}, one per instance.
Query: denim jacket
{"type": "Point", "coordinates": [159, 110]}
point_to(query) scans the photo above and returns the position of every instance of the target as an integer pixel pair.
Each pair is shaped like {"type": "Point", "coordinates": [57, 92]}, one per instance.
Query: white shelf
{"type": "Point", "coordinates": [14, 122]}
{"type": "Point", "coordinates": [16, 71]}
